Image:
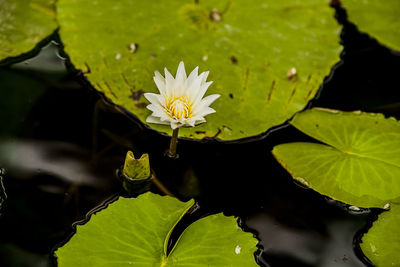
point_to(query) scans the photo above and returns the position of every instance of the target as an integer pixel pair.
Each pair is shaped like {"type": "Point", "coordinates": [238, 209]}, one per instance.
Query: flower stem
{"type": "Point", "coordinates": [161, 187]}
{"type": "Point", "coordinates": [172, 145]}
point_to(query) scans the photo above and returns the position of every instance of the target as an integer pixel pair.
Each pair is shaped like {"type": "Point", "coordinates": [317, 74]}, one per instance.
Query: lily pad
{"type": "Point", "coordinates": [23, 24]}
{"type": "Point", "coordinates": [136, 232]}
{"type": "Point", "coordinates": [360, 163]}
{"type": "Point", "coordinates": [382, 242]}
{"type": "Point", "coordinates": [248, 46]}
{"type": "Point", "coordinates": [379, 18]}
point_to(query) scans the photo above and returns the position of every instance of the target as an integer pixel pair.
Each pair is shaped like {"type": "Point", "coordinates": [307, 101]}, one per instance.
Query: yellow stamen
{"type": "Point", "coordinates": [178, 107]}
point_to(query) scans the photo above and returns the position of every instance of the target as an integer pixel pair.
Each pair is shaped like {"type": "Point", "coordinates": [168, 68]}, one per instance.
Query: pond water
{"type": "Point", "coordinates": [61, 144]}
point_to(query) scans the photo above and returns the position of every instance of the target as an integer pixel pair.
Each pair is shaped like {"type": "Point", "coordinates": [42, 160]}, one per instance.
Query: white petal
{"type": "Point", "coordinates": [158, 111]}
{"type": "Point", "coordinates": [203, 89]}
{"type": "Point", "coordinates": [180, 80]}
{"type": "Point", "coordinates": [200, 121]}
{"type": "Point", "coordinates": [166, 118]}
{"type": "Point", "coordinates": [154, 107]}
{"type": "Point", "coordinates": [181, 73]}
{"type": "Point", "coordinates": [152, 119]}
{"type": "Point", "coordinates": [191, 123]}
{"type": "Point", "coordinates": [192, 76]}
{"type": "Point", "coordinates": [153, 98]}
{"type": "Point", "coordinates": [160, 82]}
{"type": "Point", "coordinates": [175, 125]}
{"type": "Point", "coordinates": [193, 90]}
{"type": "Point", "coordinates": [208, 100]}
{"type": "Point", "coordinates": [205, 111]}
{"type": "Point", "coordinates": [205, 75]}
{"type": "Point", "coordinates": [193, 120]}
{"type": "Point", "coordinates": [169, 83]}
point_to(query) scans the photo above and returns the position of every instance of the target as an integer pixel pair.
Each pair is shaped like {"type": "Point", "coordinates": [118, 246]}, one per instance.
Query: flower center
{"type": "Point", "coordinates": [179, 107]}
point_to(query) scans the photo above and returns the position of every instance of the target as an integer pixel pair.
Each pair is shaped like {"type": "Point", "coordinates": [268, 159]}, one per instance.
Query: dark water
{"type": "Point", "coordinates": [60, 145]}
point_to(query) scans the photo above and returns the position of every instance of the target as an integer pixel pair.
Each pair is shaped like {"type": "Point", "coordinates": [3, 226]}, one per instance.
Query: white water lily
{"type": "Point", "coordinates": [180, 102]}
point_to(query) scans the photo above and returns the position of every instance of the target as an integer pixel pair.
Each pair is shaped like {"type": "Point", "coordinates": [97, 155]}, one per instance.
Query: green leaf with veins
{"type": "Point", "coordinates": [379, 18]}
{"type": "Point", "coordinates": [359, 163]}
{"type": "Point", "coordinates": [135, 232]}
{"type": "Point", "coordinates": [248, 52]}
{"type": "Point", "coordinates": [23, 24]}
{"type": "Point", "coordinates": [382, 242]}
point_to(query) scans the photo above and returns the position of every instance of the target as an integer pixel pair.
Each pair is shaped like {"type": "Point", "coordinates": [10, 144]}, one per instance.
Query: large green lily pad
{"type": "Point", "coordinates": [23, 24]}
{"type": "Point", "coordinates": [360, 163]}
{"type": "Point", "coordinates": [382, 242]}
{"type": "Point", "coordinates": [248, 46]}
{"type": "Point", "coordinates": [135, 232]}
{"type": "Point", "coordinates": [379, 18]}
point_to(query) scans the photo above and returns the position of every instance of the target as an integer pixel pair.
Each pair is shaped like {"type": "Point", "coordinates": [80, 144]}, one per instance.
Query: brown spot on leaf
{"type": "Point", "coordinates": [292, 94]}
{"type": "Point", "coordinates": [99, 86]}
{"type": "Point", "coordinates": [87, 70]}
{"type": "Point", "coordinates": [215, 15]}
{"type": "Point", "coordinates": [218, 132]}
{"type": "Point", "coordinates": [141, 105]}
{"type": "Point", "coordinates": [292, 74]}
{"type": "Point", "coordinates": [105, 62]}
{"type": "Point", "coordinates": [226, 128]}
{"type": "Point", "coordinates": [271, 90]}
{"type": "Point", "coordinates": [308, 79]}
{"type": "Point", "coordinates": [309, 93]}
{"type": "Point", "coordinates": [136, 95]}
{"type": "Point", "coordinates": [110, 89]}
{"type": "Point", "coordinates": [231, 95]}
{"type": "Point", "coordinates": [125, 79]}
{"type": "Point", "coordinates": [246, 79]}
{"type": "Point", "coordinates": [234, 60]}
{"type": "Point", "coordinates": [133, 47]}
{"type": "Point", "coordinates": [336, 3]}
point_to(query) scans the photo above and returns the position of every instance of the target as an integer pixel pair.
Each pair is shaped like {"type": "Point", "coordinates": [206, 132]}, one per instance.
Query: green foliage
{"type": "Point", "coordinates": [379, 18]}
{"type": "Point", "coordinates": [137, 168]}
{"type": "Point", "coordinates": [360, 163]}
{"type": "Point", "coordinates": [382, 242]}
{"type": "Point", "coordinates": [248, 46]}
{"type": "Point", "coordinates": [136, 232]}
{"type": "Point", "coordinates": [136, 174]}
{"type": "Point", "coordinates": [23, 24]}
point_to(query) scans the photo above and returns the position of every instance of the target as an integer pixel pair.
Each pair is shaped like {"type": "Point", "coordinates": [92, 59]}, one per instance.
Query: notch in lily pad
{"type": "Point", "coordinates": [136, 232]}
{"type": "Point", "coordinates": [136, 174]}
{"type": "Point", "coordinates": [357, 160]}
{"type": "Point", "coordinates": [183, 30]}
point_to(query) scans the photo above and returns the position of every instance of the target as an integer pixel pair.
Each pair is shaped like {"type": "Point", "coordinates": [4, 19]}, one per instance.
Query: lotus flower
{"type": "Point", "coordinates": [180, 102]}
